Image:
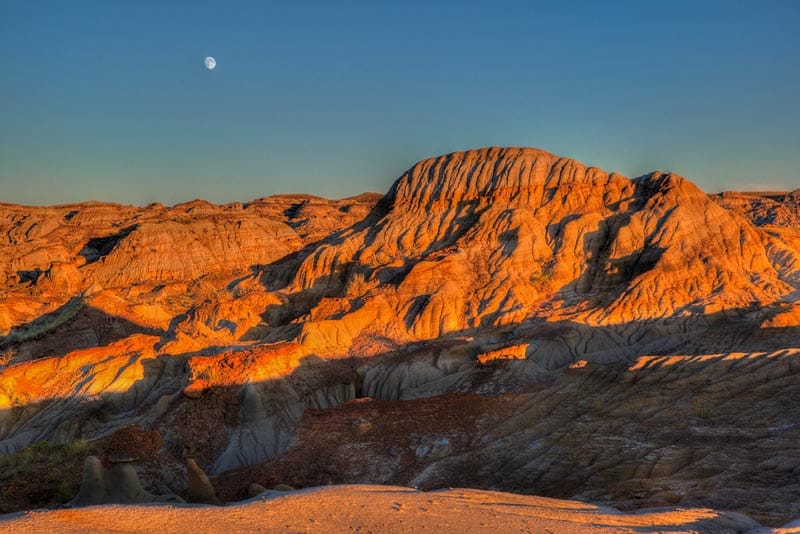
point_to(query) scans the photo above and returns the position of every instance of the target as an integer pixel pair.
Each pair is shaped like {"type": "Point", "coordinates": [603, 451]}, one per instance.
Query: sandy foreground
{"type": "Point", "coordinates": [364, 508]}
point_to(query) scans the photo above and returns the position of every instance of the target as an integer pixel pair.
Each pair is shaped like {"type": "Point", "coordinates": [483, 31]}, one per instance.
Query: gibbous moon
{"type": "Point", "coordinates": [210, 62]}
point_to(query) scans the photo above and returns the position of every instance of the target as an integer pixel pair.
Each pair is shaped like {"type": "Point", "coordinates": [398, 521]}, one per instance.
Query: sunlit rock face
{"type": "Point", "coordinates": [499, 236]}
{"type": "Point", "coordinates": [160, 261]}
{"type": "Point", "coordinates": [778, 215]}
{"type": "Point", "coordinates": [489, 272]}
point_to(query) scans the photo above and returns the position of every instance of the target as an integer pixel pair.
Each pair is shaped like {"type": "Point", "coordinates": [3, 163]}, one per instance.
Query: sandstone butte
{"type": "Point", "coordinates": [503, 318]}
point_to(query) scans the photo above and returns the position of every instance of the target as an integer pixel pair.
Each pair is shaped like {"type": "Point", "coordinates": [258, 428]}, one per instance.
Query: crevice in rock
{"type": "Point", "coordinates": [99, 247]}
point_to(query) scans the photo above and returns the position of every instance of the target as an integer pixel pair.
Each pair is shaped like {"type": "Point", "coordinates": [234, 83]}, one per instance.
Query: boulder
{"type": "Point", "coordinates": [254, 490]}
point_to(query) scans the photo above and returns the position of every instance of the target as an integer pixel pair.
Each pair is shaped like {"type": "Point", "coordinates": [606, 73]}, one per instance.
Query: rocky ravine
{"type": "Point", "coordinates": [631, 341]}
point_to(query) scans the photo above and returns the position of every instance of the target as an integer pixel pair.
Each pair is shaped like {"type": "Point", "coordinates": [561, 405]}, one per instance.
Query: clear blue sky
{"type": "Point", "coordinates": [110, 100]}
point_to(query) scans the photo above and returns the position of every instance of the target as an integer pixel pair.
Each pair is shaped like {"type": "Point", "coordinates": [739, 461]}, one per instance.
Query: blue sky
{"type": "Point", "coordinates": [111, 101]}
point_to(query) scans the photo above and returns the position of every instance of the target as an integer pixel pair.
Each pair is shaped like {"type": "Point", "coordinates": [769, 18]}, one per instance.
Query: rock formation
{"type": "Point", "coordinates": [117, 485]}
{"type": "Point", "coordinates": [199, 488]}
{"type": "Point", "coordinates": [254, 490]}
{"type": "Point", "coordinates": [554, 291]}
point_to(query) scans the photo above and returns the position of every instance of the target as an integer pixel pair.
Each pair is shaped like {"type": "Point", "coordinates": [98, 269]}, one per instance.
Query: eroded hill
{"type": "Point", "coordinates": [521, 322]}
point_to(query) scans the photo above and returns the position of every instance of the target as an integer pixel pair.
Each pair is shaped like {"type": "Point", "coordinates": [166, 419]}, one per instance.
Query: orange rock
{"type": "Point", "coordinates": [580, 364]}
{"type": "Point", "coordinates": [785, 318]}
{"type": "Point", "coordinates": [196, 388]}
{"type": "Point", "coordinates": [512, 352]}
{"type": "Point", "coordinates": [517, 248]}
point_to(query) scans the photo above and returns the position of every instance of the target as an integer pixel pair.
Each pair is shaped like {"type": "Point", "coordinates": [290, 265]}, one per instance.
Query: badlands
{"type": "Point", "coordinates": [503, 319]}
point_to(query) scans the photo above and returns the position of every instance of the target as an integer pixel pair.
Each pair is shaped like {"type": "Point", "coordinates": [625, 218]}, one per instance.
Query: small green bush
{"type": "Point", "coordinates": [64, 493]}
{"type": "Point", "coordinates": [700, 409]}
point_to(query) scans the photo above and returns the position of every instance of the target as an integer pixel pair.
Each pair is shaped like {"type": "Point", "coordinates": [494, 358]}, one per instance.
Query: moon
{"type": "Point", "coordinates": [210, 62]}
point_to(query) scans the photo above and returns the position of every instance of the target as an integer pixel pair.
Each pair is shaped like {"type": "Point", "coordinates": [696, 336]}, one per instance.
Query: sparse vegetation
{"type": "Point", "coordinates": [357, 285]}
{"type": "Point", "coordinates": [183, 301]}
{"type": "Point", "coordinates": [65, 493]}
{"type": "Point", "coordinates": [543, 279]}
{"type": "Point", "coordinates": [700, 409]}
{"type": "Point", "coordinates": [175, 445]}
{"type": "Point", "coordinates": [213, 374]}
{"type": "Point", "coordinates": [6, 356]}
{"type": "Point", "coordinates": [44, 324]}
{"type": "Point", "coordinates": [40, 452]}
{"type": "Point", "coordinates": [42, 474]}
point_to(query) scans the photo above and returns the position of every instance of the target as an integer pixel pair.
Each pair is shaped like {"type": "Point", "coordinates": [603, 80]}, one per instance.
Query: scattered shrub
{"type": "Point", "coordinates": [357, 285]}
{"type": "Point", "coordinates": [44, 324]}
{"type": "Point", "coordinates": [700, 409]}
{"type": "Point", "coordinates": [41, 475]}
